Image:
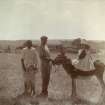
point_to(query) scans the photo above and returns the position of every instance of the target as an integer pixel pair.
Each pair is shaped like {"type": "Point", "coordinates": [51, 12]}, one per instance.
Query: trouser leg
{"type": "Point", "coordinates": [29, 83]}
{"type": "Point", "coordinates": [32, 80]}
{"type": "Point", "coordinates": [45, 79]}
{"type": "Point", "coordinates": [32, 87]}
{"type": "Point", "coordinates": [25, 87]}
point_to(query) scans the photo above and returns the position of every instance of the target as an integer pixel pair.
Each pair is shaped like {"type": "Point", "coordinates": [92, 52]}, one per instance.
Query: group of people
{"type": "Point", "coordinates": [30, 64]}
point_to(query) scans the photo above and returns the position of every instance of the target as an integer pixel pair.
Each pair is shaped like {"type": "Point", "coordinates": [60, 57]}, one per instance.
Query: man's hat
{"type": "Point", "coordinates": [85, 43]}
{"type": "Point", "coordinates": [44, 37]}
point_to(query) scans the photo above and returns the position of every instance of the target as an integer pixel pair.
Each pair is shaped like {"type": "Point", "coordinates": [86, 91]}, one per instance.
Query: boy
{"type": "Point", "coordinates": [29, 62]}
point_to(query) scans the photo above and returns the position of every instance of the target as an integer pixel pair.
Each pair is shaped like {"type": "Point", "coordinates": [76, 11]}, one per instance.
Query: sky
{"type": "Point", "coordinates": [57, 19]}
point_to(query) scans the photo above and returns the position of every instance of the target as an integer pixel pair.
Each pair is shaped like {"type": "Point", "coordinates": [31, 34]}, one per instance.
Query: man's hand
{"type": "Point", "coordinates": [36, 69]}
{"type": "Point", "coordinates": [53, 61]}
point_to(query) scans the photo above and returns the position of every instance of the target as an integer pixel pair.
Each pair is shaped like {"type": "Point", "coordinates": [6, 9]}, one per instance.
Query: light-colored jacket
{"type": "Point", "coordinates": [30, 57]}
{"type": "Point", "coordinates": [45, 58]}
{"type": "Point", "coordinates": [44, 52]}
{"type": "Point", "coordinates": [85, 64]}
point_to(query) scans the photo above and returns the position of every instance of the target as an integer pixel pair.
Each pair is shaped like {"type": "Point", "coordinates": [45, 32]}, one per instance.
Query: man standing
{"type": "Point", "coordinates": [45, 66]}
{"type": "Point", "coordinates": [30, 65]}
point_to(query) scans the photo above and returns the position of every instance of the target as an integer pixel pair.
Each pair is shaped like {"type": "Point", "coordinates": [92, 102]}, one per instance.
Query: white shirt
{"type": "Point", "coordinates": [84, 64]}
{"type": "Point", "coordinates": [30, 56]}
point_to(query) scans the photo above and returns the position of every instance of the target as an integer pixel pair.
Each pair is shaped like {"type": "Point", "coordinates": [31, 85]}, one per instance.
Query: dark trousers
{"type": "Point", "coordinates": [45, 70]}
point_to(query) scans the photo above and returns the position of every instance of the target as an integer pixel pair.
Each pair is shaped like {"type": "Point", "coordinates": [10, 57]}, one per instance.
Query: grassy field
{"type": "Point", "coordinates": [11, 82]}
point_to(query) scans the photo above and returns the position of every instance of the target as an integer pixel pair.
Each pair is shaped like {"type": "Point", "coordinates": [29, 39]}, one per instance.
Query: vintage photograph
{"type": "Point", "coordinates": [52, 52]}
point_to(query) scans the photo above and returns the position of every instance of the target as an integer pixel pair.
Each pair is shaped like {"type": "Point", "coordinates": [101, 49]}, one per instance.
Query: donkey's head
{"type": "Point", "coordinates": [61, 60]}
{"type": "Point", "coordinates": [65, 62]}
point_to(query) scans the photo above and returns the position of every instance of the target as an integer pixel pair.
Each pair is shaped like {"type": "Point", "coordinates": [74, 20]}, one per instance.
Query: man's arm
{"type": "Point", "coordinates": [23, 66]}
{"type": "Point", "coordinates": [36, 60]}
{"type": "Point", "coordinates": [22, 60]}
{"type": "Point", "coordinates": [41, 52]}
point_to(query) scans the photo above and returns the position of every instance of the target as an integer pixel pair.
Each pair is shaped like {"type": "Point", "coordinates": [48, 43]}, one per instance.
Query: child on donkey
{"type": "Point", "coordinates": [84, 60]}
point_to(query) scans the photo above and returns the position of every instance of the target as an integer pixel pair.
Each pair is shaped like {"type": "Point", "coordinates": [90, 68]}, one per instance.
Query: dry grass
{"type": "Point", "coordinates": [11, 83]}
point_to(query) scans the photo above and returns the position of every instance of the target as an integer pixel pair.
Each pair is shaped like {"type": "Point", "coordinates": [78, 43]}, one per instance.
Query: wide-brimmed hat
{"type": "Point", "coordinates": [85, 43]}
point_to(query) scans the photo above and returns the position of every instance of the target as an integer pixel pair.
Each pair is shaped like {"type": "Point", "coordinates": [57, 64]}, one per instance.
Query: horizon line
{"type": "Point", "coordinates": [50, 39]}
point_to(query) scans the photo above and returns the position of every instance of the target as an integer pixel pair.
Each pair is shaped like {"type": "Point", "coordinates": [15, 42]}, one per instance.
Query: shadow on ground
{"type": "Point", "coordinates": [25, 100]}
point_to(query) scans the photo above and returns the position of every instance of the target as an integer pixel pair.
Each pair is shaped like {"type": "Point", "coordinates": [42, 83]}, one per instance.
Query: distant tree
{"type": "Point", "coordinates": [9, 49]}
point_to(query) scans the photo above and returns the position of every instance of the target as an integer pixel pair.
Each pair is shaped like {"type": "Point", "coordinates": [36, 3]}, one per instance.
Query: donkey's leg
{"type": "Point", "coordinates": [74, 93]}
{"type": "Point", "coordinates": [101, 81]}
{"type": "Point", "coordinates": [75, 99]}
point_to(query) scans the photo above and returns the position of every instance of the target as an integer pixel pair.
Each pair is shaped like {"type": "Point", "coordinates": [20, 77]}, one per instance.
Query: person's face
{"type": "Point", "coordinates": [82, 46]}
{"type": "Point", "coordinates": [43, 41]}
{"type": "Point", "coordinates": [29, 45]}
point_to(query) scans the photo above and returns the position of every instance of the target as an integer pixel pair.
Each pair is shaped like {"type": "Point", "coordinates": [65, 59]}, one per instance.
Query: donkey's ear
{"type": "Point", "coordinates": [69, 60]}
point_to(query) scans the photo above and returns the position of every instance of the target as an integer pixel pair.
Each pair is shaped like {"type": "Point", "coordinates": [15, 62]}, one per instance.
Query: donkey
{"type": "Point", "coordinates": [74, 73]}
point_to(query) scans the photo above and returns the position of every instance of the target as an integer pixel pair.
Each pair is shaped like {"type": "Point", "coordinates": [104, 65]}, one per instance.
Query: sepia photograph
{"type": "Point", "coordinates": [52, 52]}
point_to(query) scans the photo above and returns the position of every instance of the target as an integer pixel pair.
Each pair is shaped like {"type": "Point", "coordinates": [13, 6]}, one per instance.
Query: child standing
{"type": "Point", "coordinates": [29, 62]}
